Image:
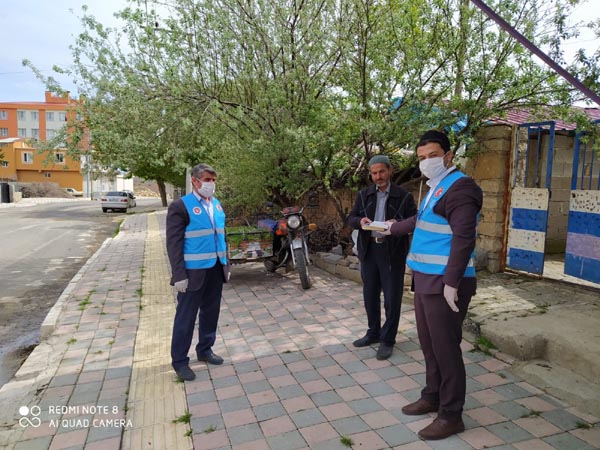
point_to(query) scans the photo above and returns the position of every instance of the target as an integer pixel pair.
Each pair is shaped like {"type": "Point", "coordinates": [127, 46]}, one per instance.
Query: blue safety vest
{"type": "Point", "coordinates": [203, 242]}
{"type": "Point", "coordinates": [432, 238]}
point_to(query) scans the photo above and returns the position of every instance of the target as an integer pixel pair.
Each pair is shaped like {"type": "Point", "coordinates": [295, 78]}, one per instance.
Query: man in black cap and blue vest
{"type": "Point", "coordinates": [442, 259]}
{"type": "Point", "coordinates": [382, 258]}
{"type": "Point", "coordinates": [198, 256]}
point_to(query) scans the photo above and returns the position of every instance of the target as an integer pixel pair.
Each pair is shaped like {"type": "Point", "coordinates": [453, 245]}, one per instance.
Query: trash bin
{"type": "Point", "coordinates": [4, 193]}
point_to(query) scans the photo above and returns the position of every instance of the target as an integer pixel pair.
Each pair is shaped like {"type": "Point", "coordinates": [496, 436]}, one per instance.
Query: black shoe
{"type": "Point", "coordinates": [384, 351]}
{"type": "Point", "coordinates": [185, 373]}
{"type": "Point", "coordinates": [364, 341]}
{"type": "Point", "coordinates": [211, 358]}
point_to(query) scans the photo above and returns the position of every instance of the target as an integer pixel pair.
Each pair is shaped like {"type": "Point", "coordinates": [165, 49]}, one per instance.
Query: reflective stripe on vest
{"type": "Point", "coordinates": [203, 244]}
{"type": "Point", "coordinates": [432, 238]}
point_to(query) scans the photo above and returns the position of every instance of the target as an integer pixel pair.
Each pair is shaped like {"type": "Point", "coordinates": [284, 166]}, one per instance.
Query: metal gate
{"type": "Point", "coordinates": [530, 195]}
{"type": "Point", "coordinates": [582, 256]}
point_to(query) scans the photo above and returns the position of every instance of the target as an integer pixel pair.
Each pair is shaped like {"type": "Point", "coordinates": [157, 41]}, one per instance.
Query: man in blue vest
{"type": "Point", "coordinates": [198, 256]}
{"type": "Point", "coordinates": [442, 259]}
{"type": "Point", "coordinates": [382, 259]}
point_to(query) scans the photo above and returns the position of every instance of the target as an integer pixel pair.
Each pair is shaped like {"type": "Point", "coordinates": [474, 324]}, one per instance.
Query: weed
{"type": "Point", "coordinates": [139, 292]}
{"type": "Point", "coordinates": [111, 342]}
{"type": "Point", "coordinates": [532, 413]}
{"type": "Point", "coordinates": [484, 345]}
{"type": "Point", "coordinates": [583, 425]}
{"type": "Point", "coordinates": [99, 352]}
{"type": "Point", "coordinates": [185, 418]}
{"type": "Point", "coordinates": [346, 441]}
{"type": "Point", "coordinates": [188, 433]}
{"type": "Point", "coordinates": [210, 429]}
{"type": "Point", "coordinates": [71, 341]}
{"type": "Point", "coordinates": [118, 228]}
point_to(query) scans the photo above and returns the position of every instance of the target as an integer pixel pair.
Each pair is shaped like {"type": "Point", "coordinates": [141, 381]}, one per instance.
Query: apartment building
{"type": "Point", "coordinates": [23, 123]}
{"type": "Point", "coordinates": [35, 120]}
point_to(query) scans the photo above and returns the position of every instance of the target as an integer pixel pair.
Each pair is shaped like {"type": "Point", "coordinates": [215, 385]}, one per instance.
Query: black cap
{"type": "Point", "coordinates": [435, 136]}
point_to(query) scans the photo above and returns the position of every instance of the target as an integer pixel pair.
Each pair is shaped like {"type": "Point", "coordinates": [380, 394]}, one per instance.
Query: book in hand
{"type": "Point", "coordinates": [376, 226]}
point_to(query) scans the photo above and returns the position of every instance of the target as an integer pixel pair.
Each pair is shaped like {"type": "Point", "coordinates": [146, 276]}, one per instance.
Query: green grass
{"type": "Point", "coordinates": [185, 418]}
{"type": "Point", "coordinates": [346, 441]}
{"type": "Point", "coordinates": [118, 228]}
{"type": "Point", "coordinates": [532, 413]}
{"type": "Point", "coordinates": [484, 345]}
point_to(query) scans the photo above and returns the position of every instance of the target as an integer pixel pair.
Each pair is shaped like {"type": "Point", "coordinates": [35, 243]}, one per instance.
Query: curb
{"type": "Point", "coordinates": [49, 324]}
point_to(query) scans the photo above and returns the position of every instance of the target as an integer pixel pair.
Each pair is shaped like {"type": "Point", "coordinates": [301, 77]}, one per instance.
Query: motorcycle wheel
{"type": "Point", "coordinates": [270, 265]}
{"type": "Point", "coordinates": [302, 268]}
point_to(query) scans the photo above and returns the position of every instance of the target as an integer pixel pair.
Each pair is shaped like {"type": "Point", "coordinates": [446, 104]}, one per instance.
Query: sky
{"type": "Point", "coordinates": [42, 30]}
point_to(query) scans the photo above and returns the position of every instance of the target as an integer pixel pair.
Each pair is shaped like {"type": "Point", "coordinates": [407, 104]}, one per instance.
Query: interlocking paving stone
{"type": "Point", "coordinates": [307, 417]}
{"type": "Point", "coordinates": [350, 425]}
{"type": "Point", "coordinates": [509, 432]}
{"type": "Point", "coordinates": [288, 441]}
{"type": "Point", "coordinates": [566, 441]}
{"type": "Point", "coordinates": [562, 419]}
{"type": "Point", "coordinates": [289, 360]}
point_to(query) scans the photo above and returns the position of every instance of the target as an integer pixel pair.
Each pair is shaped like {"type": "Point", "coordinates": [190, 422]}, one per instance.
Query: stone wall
{"type": "Point", "coordinates": [490, 169]}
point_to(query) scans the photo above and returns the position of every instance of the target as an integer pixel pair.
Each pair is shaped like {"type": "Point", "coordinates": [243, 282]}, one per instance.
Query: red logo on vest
{"type": "Point", "coordinates": [438, 192]}
{"type": "Point", "coordinates": [197, 210]}
{"type": "Point", "coordinates": [219, 208]}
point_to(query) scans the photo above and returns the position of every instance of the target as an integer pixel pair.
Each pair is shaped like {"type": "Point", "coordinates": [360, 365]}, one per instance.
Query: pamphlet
{"type": "Point", "coordinates": [376, 226]}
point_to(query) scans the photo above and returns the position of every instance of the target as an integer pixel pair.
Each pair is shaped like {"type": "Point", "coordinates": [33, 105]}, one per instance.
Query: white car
{"type": "Point", "coordinates": [74, 192]}
{"type": "Point", "coordinates": [117, 201]}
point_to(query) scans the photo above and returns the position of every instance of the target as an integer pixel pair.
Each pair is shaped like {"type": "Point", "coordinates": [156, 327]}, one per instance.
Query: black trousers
{"type": "Point", "coordinates": [377, 275]}
{"type": "Point", "coordinates": [204, 303]}
{"type": "Point", "coordinates": [440, 333]}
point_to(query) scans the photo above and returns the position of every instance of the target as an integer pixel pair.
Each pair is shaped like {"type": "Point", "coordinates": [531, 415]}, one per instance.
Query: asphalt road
{"type": "Point", "coordinates": [41, 248]}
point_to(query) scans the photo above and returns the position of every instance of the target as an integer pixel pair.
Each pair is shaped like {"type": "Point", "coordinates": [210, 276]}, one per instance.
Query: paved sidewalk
{"type": "Point", "coordinates": [291, 378]}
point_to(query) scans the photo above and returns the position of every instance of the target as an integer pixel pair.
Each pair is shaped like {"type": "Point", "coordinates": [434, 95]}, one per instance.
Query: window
{"type": "Point", "coordinates": [4, 163]}
{"type": "Point", "coordinates": [3, 131]}
{"type": "Point", "coordinates": [50, 133]}
{"type": "Point", "coordinates": [49, 116]}
{"type": "Point", "coordinates": [35, 133]}
{"type": "Point", "coordinates": [21, 115]}
{"type": "Point", "coordinates": [3, 115]}
{"type": "Point", "coordinates": [22, 132]}
{"type": "Point", "coordinates": [34, 115]}
{"type": "Point", "coordinates": [27, 157]}
{"type": "Point", "coordinates": [47, 174]}
{"type": "Point", "coordinates": [62, 117]}
{"type": "Point", "coordinates": [59, 158]}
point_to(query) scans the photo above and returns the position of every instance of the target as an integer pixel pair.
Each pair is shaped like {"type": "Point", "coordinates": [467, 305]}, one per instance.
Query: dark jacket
{"type": "Point", "coordinates": [177, 221]}
{"type": "Point", "coordinates": [460, 206]}
{"type": "Point", "coordinates": [400, 205]}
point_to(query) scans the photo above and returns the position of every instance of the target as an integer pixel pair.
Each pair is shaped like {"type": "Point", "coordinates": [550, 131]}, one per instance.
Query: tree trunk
{"type": "Point", "coordinates": [163, 191]}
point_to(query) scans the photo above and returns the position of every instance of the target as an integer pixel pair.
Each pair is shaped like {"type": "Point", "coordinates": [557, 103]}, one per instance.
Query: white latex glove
{"type": "Point", "coordinates": [451, 296]}
{"type": "Point", "coordinates": [386, 232]}
{"type": "Point", "coordinates": [181, 285]}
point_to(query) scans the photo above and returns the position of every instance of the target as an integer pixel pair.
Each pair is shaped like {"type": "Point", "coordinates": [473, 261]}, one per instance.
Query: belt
{"type": "Point", "coordinates": [378, 240]}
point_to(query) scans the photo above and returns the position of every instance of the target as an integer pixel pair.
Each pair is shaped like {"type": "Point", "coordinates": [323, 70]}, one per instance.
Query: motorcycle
{"type": "Point", "coordinates": [290, 248]}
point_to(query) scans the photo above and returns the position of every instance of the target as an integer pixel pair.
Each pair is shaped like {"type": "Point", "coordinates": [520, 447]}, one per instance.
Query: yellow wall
{"type": "Point", "coordinates": [66, 174]}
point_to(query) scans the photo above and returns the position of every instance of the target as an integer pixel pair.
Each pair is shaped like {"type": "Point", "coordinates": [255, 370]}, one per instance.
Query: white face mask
{"type": "Point", "coordinates": [432, 167]}
{"type": "Point", "coordinates": [207, 190]}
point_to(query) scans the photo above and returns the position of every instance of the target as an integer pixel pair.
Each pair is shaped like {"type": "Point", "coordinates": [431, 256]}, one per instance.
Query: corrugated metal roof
{"type": "Point", "coordinates": [518, 117]}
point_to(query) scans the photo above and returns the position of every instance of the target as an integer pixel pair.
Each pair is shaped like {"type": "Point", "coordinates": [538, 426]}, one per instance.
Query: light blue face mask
{"type": "Point", "coordinates": [207, 190]}
{"type": "Point", "coordinates": [432, 167]}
